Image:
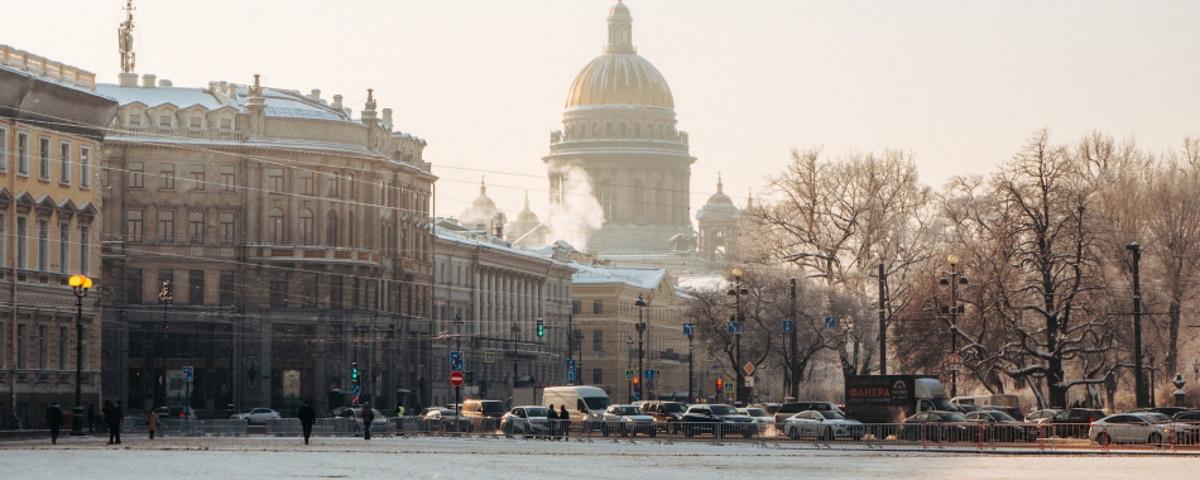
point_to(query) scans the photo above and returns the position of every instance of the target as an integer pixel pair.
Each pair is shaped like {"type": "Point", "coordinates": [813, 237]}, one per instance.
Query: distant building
{"type": "Point", "coordinates": [52, 123]}
{"type": "Point", "coordinates": [527, 229]}
{"type": "Point", "coordinates": [483, 214]}
{"type": "Point", "coordinates": [719, 222]}
{"type": "Point", "coordinates": [268, 239]}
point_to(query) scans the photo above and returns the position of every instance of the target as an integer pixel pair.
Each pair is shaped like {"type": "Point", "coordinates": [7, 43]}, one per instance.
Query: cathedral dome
{"type": "Point", "coordinates": [620, 76]}
{"type": "Point", "coordinates": [483, 211]}
{"type": "Point", "coordinates": [719, 207]}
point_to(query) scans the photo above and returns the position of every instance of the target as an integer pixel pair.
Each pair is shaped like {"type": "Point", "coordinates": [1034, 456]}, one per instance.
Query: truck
{"type": "Point", "coordinates": [893, 398]}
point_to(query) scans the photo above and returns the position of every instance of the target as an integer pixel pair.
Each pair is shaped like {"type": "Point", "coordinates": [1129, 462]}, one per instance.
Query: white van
{"type": "Point", "coordinates": [585, 403]}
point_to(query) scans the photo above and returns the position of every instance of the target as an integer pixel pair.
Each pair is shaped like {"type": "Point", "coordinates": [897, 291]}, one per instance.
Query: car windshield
{"type": "Point", "coordinates": [756, 412]}
{"type": "Point", "coordinates": [1001, 416]}
{"type": "Point", "coordinates": [952, 417]}
{"type": "Point", "coordinates": [671, 407]}
{"type": "Point", "coordinates": [596, 403]}
{"type": "Point", "coordinates": [535, 411]}
{"type": "Point", "coordinates": [831, 415]}
{"type": "Point", "coordinates": [722, 410]}
{"type": "Point", "coordinates": [627, 410]}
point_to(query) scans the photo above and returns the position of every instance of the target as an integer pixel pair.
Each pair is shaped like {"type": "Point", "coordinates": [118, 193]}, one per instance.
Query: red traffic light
{"type": "Point", "coordinates": [720, 384]}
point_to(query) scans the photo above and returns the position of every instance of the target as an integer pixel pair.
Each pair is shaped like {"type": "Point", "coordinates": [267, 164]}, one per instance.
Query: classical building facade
{"type": "Point", "coordinates": [488, 296]}
{"type": "Point", "coordinates": [268, 239]}
{"type": "Point", "coordinates": [52, 123]}
{"type": "Point", "coordinates": [619, 135]}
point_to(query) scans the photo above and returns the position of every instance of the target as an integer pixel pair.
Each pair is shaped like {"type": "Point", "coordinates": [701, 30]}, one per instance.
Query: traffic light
{"type": "Point", "coordinates": [354, 372]}
{"type": "Point", "coordinates": [720, 384]}
{"type": "Point", "coordinates": [541, 328]}
{"type": "Point", "coordinates": [636, 381]}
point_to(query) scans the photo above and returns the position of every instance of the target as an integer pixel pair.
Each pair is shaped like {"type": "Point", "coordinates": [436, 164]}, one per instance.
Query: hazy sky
{"type": "Point", "coordinates": [960, 84]}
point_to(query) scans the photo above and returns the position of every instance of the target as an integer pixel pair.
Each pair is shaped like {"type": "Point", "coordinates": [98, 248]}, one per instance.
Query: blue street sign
{"type": "Point", "coordinates": [649, 374]}
{"type": "Point", "coordinates": [456, 361]}
{"type": "Point", "coordinates": [188, 374]}
{"type": "Point", "coordinates": [571, 374]}
{"type": "Point", "coordinates": [689, 329]}
{"type": "Point", "coordinates": [735, 328]}
{"type": "Point", "coordinates": [570, 364]}
{"type": "Point", "coordinates": [831, 322]}
{"type": "Point", "coordinates": [355, 389]}
{"type": "Point", "coordinates": [789, 325]}
{"type": "Point", "coordinates": [628, 375]}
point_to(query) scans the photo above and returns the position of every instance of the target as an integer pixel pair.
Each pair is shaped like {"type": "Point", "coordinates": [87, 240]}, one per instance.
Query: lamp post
{"type": "Point", "coordinates": [689, 329]}
{"type": "Point", "coordinates": [166, 296]}
{"type": "Point", "coordinates": [1142, 397]}
{"type": "Point", "coordinates": [640, 303]}
{"type": "Point", "coordinates": [736, 291]}
{"type": "Point", "coordinates": [953, 279]}
{"type": "Point", "coordinates": [80, 284]}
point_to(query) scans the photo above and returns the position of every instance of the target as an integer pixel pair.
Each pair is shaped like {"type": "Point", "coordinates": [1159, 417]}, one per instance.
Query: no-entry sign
{"type": "Point", "coordinates": [456, 379]}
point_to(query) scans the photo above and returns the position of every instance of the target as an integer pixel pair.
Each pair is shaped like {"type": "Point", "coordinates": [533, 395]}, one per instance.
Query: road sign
{"type": "Point", "coordinates": [456, 378]}
{"type": "Point", "coordinates": [748, 368]}
{"type": "Point", "coordinates": [831, 322]}
{"type": "Point", "coordinates": [649, 374]}
{"type": "Point", "coordinates": [571, 374]}
{"type": "Point", "coordinates": [789, 325]}
{"type": "Point", "coordinates": [749, 382]}
{"type": "Point", "coordinates": [489, 357]}
{"type": "Point", "coordinates": [456, 361]}
{"type": "Point", "coordinates": [629, 375]}
{"type": "Point", "coordinates": [728, 388]}
{"type": "Point", "coordinates": [689, 329]}
{"type": "Point", "coordinates": [735, 328]}
{"type": "Point", "coordinates": [355, 389]}
{"type": "Point", "coordinates": [188, 374]}
{"type": "Point", "coordinates": [570, 364]}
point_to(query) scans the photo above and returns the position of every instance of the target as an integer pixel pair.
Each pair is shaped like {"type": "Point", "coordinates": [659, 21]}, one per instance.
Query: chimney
{"type": "Point", "coordinates": [127, 79]}
{"type": "Point", "coordinates": [387, 117]}
{"type": "Point", "coordinates": [165, 83]}
{"type": "Point", "coordinates": [337, 101]}
{"type": "Point", "coordinates": [315, 95]}
{"type": "Point", "coordinates": [148, 80]}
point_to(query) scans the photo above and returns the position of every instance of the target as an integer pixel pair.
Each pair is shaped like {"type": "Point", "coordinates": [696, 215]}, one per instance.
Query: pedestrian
{"type": "Point", "coordinates": [400, 410]}
{"type": "Point", "coordinates": [54, 419]}
{"type": "Point", "coordinates": [91, 418]}
{"type": "Point", "coordinates": [552, 420]}
{"type": "Point", "coordinates": [307, 417]}
{"type": "Point", "coordinates": [152, 423]}
{"type": "Point", "coordinates": [368, 416]}
{"type": "Point", "coordinates": [112, 418]}
{"type": "Point", "coordinates": [565, 417]}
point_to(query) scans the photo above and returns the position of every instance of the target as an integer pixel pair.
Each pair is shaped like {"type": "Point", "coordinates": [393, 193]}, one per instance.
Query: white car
{"type": "Point", "coordinates": [760, 417]}
{"type": "Point", "coordinates": [1138, 427]}
{"type": "Point", "coordinates": [257, 416]}
{"type": "Point", "coordinates": [822, 425]}
{"type": "Point", "coordinates": [525, 420]}
{"type": "Point", "coordinates": [627, 419]}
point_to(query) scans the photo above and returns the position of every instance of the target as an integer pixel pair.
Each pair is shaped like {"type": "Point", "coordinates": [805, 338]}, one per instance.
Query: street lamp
{"type": "Point", "coordinates": [953, 280]}
{"type": "Point", "coordinates": [1142, 398]}
{"type": "Point", "coordinates": [166, 296]}
{"type": "Point", "coordinates": [80, 284]}
{"type": "Point", "coordinates": [640, 303]}
{"type": "Point", "coordinates": [736, 291]}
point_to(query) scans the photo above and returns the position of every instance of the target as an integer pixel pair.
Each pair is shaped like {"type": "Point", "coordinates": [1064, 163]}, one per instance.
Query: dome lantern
{"type": "Point", "coordinates": [620, 30]}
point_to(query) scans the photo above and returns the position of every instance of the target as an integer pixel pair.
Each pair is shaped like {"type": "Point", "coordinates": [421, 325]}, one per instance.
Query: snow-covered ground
{"type": "Point", "coordinates": [449, 458]}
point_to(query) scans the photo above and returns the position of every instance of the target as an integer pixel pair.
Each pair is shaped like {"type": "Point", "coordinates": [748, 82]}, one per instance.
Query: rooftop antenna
{"type": "Point", "coordinates": [125, 39]}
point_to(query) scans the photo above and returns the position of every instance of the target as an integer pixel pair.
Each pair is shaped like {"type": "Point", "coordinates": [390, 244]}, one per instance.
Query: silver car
{"type": "Point", "coordinates": [1137, 427]}
{"type": "Point", "coordinates": [257, 416]}
{"type": "Point", "coordinates": [626, 420]}
{"type": "Point", "coordinates": [822, 425]}
{"type": "Point", "coordinates": [525, 420]}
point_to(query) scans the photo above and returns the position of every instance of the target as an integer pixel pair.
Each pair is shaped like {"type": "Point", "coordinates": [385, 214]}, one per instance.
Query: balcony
{"type": "Point", "coordinates": [315, 254]}
{"type": "Point", "coordinates": [191, 133]}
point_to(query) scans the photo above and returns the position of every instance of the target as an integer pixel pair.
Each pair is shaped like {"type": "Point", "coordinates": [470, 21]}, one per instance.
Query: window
{"type": "Point", "coordinates": [3, 150]}
{"type": "Point", "coordinates": [597, 376]}
{"type": "Point", "coordinates": [332, 187]}
{"type": "Point", "coordinates": [275, 180]}
{"type": "Point", "coordinates": [64, 166]}
{"type": "Point", "coordinates": [134, 119]}
{"type": "Point", "coordinates": [41, 347]}
{"type": "Point", "coordinates": [133, 286]}
{"type": "Point", "coordinates": [597, 307]}
{"type": "Point", "coordinates": [64, 247]}
{"type": "Point", "coordinates": [43, 244]}
{"type": "Point", "coordinates": [597, 340]}
{"type": "Point", "coordinates": [227, 178]}
{"type": "Point", "coordinates": [85, 167]}
{"type": "Point", "coordinates": [62, 348]}
{"type": "Point", "coordinates": [22, 153]}
{"type": "Point", "coordinates": [136, 179]}
{"type": "Point", "coordinates": [196, 227]}
{"type": "Point", "coordinates": [164, 121]}
{"type": "Point", "coordinates": [198, 177]}
{"type": "Point", "coordinates": [195, 287]}
{"type": "Point", "coordinates": [166, 226]}
{"type": "Point", "coordinates": [133, 225]}
{"type": "Point", "coordinates": [331, 228]}
{"type": "Point", "coordinates": [306, 183]}
{"type": "Point", "coordinates": [226, 221]}
{"type": "Point", "coordinates": [22, 346]}
{"type": "Point", "coordinates": [194, 122]}
{"type": "Point", "coordinates": [85, 244]}
{"type": "Point", "coordinates": [336, 294]}
{"type": "Point", "coordinates": [279, 292]}
{"type": "Point", "coordinates": [44, 158]}
{"type": "Point", "coordinates": [22, 239]}
{"type": "Point", "coordinates": [166, 174]}
{"type": "Point", "coordinates": [227, 288]}
{"type": "Point", "coordinates": [3, 242]}
{"type": "Point", "coordinates": [226, 123]}
{"type": "Point", "coordinates": [276, 227]}
{"type": "Point", "coordinates": [576, 307]}
{"type": "Point", "coordinates": [306, 227]}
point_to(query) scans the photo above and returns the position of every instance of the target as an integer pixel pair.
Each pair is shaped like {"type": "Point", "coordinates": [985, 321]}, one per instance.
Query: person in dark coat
{"type": "Point", "coordinates": [552, 420]}
{"type": "Point", "coordinates": [307, 416]}
{"type": "Point", "coordinates": [112, 418]}
{"type": "Point", "coordinates": [565, 417]}
{"type": "Point", "coordinates": [368, 416]}
{"type": "Point", "coordinates": [54, 419]}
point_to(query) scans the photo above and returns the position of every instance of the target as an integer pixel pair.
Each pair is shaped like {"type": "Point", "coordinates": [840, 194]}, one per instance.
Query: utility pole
{"type": "Point", "coordinates": [571, 376]}
{"type": "Point", "coordinates": [794, 364]}
{"type": "Point", "coordinates": [883, 301]}
{"type": "Point", "coordinates": [1138, 374]}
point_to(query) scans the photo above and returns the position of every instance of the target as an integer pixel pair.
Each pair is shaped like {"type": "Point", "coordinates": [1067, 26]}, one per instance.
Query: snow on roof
{"type": "Point", "coordinates": [643, 278]}
{"type": "Point", "coordinates": [452, 236]}
{"type": "Point", "coordinates": [279, 103]}
{"type": "Point", "coordinates": [152, 97]}
{"type": "Point", "coordinates": [282, 103]}
{"type": "Point", "coordinates": [700, 283]}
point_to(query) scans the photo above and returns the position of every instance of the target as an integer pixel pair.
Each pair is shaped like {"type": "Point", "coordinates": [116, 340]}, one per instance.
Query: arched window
{"type": "Point", "coordinates": [276, 227]}
{"type": "Point", "coordinates": [306, 227]}
{"type": "Point", "coordinates": [331, 228]}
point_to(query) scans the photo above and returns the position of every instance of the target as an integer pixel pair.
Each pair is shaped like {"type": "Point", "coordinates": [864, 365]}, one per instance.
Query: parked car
{"type": "Point", "coordinates": [257, 416]}
{"type": "Point", "coordinates": [1185, 427]}
{"type": "Point", "coordinates": [483, 414]}
{"type": "Point", "coordinates": [716, 419]}
{"type": "Point", "coordinates": [999, 426]}
{"type": "Point", "coordinates": [585, 403]}
{"type": "Point", "coordinates": [1074, 422]}
{"type": "Point", "coordinates": [379, 423]}
{"type": "Point", "coordinates": [1137, 427]}
{"type": "Point", "coordinates": [936, 426]}
{"type": "Point", "coordinates": [786, 410]}
{"type": "Point", "coordinates": [1168, 411]}
{"type": "Point", "coordinates": [1004, 402]}
{"type": "Point", "coordinates": [525, 420]}
{"type": "Point", "coordinates": [771, 408]}
{"type": "Point", "coordinates": [1044, 415]}
{"type": "Point", "coordinates": [175, 413]}
{"type": "Point", "coordinates": [822, 425]}
{"type": "Point", "coordinates": [666, 414]}
{"type": "Point", "coordinates": [760, 417]}
{"type": "Point", "coordinates": [626, 420]}
{"type": "Point", "coordinates": [440, 419]}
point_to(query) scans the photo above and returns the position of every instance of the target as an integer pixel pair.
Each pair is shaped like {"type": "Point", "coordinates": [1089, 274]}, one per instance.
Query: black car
{"type": "Point", "coordinates": [1075, 422]}
{"type": "Point", "coordinates": [666, 414]}
{"type": "Point", "coordinates": [998, 426]}
{"type": "Point", "coordinates": [937, 426]}
{"type": "Point", "coordinates": [716, 419]}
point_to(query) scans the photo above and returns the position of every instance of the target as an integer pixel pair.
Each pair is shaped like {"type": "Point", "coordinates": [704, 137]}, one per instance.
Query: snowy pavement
{"type": "Point", "coordinates": [445, 458]}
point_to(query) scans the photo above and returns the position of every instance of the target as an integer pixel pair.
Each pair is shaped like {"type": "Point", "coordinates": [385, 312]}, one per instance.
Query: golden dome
{"type": "Point", "coordinates": [620, 76]}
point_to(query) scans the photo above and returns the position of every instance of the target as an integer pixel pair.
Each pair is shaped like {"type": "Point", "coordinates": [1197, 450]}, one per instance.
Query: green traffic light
{"type": "Point", "coordinates": [541, 328]}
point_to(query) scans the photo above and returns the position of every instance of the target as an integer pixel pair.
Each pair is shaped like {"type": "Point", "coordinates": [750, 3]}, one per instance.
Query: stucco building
{"type": "Point", "coordinates": [269, 239]}
{"type": "Point", "coordinates": [52, 124]}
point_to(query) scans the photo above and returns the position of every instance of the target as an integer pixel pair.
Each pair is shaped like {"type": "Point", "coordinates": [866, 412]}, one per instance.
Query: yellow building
{"type": "Point", "coordinates": [51, 126]}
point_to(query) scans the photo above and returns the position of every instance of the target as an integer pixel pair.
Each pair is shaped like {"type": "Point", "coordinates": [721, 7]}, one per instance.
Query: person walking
{"type": "Point", "coordinates": [152, 423]}
{"type": "Point", "coordinates": [307, 416]}
{"type": "Point", "coordinates": [54, 419]}
{"type": "Point", "coordinates": [368, 416]}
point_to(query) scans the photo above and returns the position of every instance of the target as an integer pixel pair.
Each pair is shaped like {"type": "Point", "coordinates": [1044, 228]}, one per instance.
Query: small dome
{"type": "Point", "coordinates": [620, 10]}
{"type": "Point", "coordinates": [719, 206]}
{"type": "Point", "coordinates": [483, 211]}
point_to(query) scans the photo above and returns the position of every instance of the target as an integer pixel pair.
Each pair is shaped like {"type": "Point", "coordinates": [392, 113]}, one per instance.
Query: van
{"type": "Point", "coordinates": [483, 414]}
{"type": "Point", "coordinates": [586, 403]}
